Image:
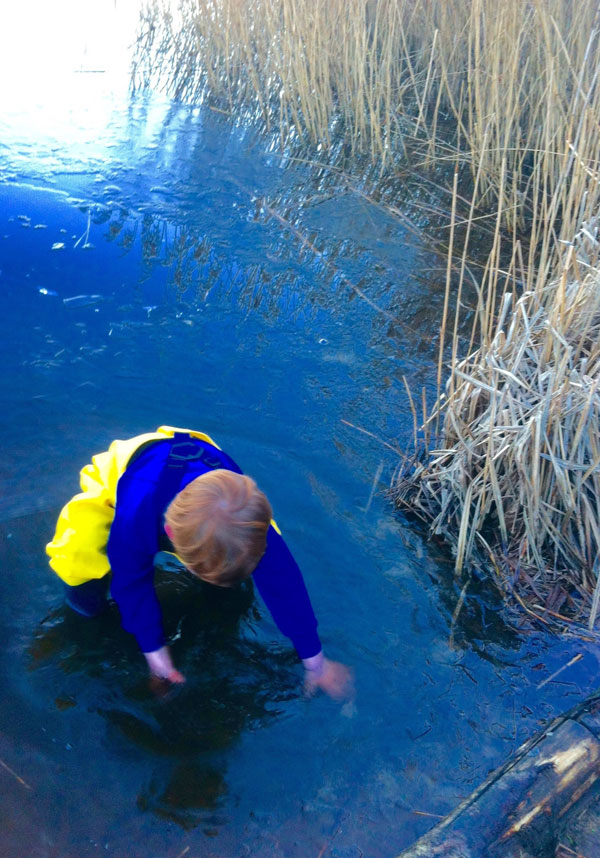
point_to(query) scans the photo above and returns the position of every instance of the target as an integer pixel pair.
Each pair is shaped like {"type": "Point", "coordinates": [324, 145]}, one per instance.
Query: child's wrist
{"type": "Point", "coordinates": [159, 661]}
{"type": "Point", "coordinates": [315, 665]}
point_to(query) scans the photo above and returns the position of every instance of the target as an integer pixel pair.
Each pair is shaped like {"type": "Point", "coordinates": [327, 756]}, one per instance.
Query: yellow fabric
{"type": "Point", "coordinates": [78, 550]}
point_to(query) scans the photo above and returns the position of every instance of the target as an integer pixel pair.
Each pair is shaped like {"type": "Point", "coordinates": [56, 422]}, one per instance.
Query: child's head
{"type": "Point", "coordinates": [218, 525]}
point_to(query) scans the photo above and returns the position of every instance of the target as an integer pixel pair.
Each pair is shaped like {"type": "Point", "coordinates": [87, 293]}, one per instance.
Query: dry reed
{"type": "Point", "coordinates": [517, 480]}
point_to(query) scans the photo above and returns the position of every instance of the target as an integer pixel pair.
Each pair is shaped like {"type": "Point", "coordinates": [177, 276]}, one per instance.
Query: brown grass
{"type": "Point", "coordinates": [516, 478]}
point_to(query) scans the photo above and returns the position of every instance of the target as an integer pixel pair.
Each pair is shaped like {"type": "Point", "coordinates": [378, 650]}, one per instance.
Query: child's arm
{"type": "Point", "coordinates": [141, 615]}
{"type": "Point", "coordinates": [280, 583]}
{"type": "Point", "coordinates": [131, 550]}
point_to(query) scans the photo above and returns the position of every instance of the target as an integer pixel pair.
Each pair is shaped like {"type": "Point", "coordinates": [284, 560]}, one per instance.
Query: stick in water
{"type": "Point", "coordinates": [425, 813]}
{"type": "Point", "coordinates": [15, 775]}
{"type": "Point", "coordinates": [575, 659]}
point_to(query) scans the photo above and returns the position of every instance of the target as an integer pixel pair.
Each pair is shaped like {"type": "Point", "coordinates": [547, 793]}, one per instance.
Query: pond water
{"type": "Point", "coordinates": [158, 265]}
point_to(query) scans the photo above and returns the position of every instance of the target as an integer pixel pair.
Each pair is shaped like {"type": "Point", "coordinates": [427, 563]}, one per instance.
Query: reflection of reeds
{"type": "Point", "coordinates": [508, 84]}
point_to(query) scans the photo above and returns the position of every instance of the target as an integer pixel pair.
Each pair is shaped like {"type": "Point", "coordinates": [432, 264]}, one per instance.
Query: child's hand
{"type": "Point", "coordinates": [333, 678]}
{"type": "Point", "coordinates": [161, 665]}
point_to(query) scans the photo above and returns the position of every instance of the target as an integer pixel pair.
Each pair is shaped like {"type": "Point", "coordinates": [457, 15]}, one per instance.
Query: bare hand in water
{"type": "Point", "coordinates": [161, 666]}
{"type": "Point", "coordinates": [332, 677]}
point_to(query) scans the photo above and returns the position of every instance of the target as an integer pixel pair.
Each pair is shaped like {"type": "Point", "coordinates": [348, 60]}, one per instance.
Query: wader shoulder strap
{"type": "Point", "coordinates": [183, 450]}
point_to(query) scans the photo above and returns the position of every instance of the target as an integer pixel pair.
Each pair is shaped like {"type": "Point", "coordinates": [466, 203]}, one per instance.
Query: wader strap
{"type": "Point", "coordinates": [183, 449]}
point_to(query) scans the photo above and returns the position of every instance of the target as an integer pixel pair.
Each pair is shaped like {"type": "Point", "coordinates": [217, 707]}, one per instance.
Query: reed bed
{"type": "Point", "coordinates": [516, 484]}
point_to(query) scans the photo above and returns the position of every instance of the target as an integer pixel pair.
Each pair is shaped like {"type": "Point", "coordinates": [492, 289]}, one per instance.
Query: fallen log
{"type": "Point", "coordinates": [522, 807]}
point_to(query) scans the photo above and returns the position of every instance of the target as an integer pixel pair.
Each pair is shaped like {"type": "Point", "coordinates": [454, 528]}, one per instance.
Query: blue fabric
{"type": "Point", "coordinates": [134, 541]}
{"type": "Point", "coordinates": [89, 599]}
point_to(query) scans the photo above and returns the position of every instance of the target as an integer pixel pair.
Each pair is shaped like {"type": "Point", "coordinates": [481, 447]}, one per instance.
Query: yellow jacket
{"type": "Point", "coordinates": [78, 550]}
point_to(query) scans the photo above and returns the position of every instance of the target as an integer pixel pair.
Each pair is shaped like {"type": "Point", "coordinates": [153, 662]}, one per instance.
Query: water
{"type": "Point", "coordinates": [159, 266]}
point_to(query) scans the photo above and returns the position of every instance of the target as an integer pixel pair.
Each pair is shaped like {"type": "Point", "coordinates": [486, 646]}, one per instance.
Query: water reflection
{"type": "Point", "coordinates": [235, 684]}
{"type": "Point", "coordinates": [191, 790]}
{"type": "Point", "coordinates": [474, 608]}
{"type": "Point", "coordinates": [168, 176]}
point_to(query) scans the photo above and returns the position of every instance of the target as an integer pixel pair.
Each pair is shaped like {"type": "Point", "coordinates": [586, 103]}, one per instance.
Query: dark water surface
{"type": "Point", "coordinates": [158, 266]}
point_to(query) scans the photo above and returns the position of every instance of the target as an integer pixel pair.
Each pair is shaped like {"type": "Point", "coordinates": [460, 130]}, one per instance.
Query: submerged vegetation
{"type": "Point", "coordinates": [500, 102]}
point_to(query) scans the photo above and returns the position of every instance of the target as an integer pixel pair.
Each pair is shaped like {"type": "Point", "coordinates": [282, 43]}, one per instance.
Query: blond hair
{"type": "Point", "coordinates": [218, 525]}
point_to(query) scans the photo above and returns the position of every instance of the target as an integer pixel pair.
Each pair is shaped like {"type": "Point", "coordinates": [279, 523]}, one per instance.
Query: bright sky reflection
{"type": "Point", "coordinates": [61, 62]}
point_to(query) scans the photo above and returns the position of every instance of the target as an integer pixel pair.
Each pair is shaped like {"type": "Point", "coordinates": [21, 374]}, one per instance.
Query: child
{"type": "Point", "coordinates": [178, 487]}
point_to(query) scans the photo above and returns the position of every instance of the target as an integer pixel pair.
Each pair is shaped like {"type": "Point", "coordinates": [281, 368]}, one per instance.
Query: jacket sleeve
{"type": "Point", "coordinates": [78, 549]}
{"type": "Point", "coordinates": [131, 551]}
{"type": "Point", "coordinates": [279, 581]}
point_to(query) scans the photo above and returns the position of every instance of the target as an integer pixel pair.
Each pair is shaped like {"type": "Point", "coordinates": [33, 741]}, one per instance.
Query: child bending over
{"type": "Point", "coordinates": [177, 489]}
